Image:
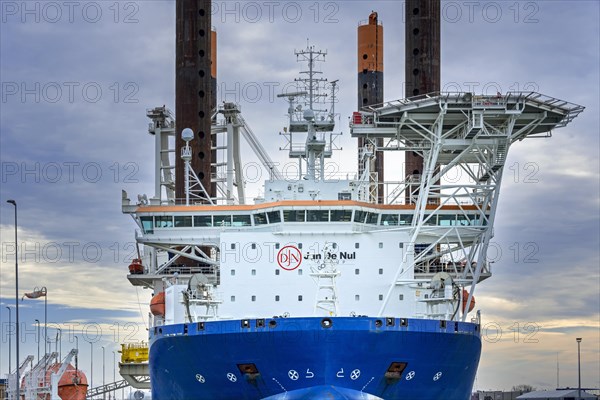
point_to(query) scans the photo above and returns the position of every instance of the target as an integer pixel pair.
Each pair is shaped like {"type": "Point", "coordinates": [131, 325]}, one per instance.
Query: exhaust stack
{"type": "Point", "coordinates": [422, 60]}
{"type": "Point", "coordinates": [195, 89]}
{"type": "Point", "coordinates": [370, 87]}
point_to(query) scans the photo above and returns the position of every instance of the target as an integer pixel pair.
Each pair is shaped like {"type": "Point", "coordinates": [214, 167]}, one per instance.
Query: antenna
{"type": "Point", "coordinates": [186, 155]}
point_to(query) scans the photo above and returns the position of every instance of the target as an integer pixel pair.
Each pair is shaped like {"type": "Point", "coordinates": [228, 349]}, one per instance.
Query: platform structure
{"type": "Point", "coordinates": [455, 132]}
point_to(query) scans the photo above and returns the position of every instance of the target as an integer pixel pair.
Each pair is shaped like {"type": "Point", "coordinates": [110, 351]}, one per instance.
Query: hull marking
{"type": "Point", "coordinates": [293, 374]}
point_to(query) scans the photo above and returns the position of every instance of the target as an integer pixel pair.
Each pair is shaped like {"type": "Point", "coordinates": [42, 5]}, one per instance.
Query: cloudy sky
{"type": "Point", "coordinates": [76, 80]}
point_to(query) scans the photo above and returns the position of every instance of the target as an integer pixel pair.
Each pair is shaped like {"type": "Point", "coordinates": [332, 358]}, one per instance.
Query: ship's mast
{"type": "Point", "coordinates": [317, 123]}
{"type": "Point", "coordinates": [315, 144]}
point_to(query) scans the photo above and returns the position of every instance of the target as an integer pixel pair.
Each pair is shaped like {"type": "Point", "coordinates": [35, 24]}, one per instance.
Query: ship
{"type": "Point", "coordinates": [325, 285]}
{"type": "Point", "coordinates": [318, 289]}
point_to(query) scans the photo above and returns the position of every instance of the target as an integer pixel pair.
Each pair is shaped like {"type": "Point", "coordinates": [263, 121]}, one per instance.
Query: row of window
{"type": "Point", "coordinates": [274, 217]}
{"type": "Point", "coordinates": [301, 298]}
{"type": "Point", "coordinates": [300, 272]}
{"type": "Point", "coordinates": [334, 245]}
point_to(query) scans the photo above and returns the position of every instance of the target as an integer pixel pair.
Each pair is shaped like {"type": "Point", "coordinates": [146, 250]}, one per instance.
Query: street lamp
{"type": "Point", "coordinates": [14, 203]}
{"type": "Point", "coordinates": [37, 293]}
{"type": "Point", "coordinates": [92, 365]}
{"type": "Point", "coordinates": [9, 340]}
{"type": "Point", "coordinates": [59, 343]}
{"type": "Point", "coordinates": [37, 321]}
{"type": "Point", "coordinates": [579, 367]}
{"type": "Point", "coordinates": [114, 372]}
{"type": "Point", "coordinates": [76, 356]}
{"type": "Point", "coordinates": [103, 377]}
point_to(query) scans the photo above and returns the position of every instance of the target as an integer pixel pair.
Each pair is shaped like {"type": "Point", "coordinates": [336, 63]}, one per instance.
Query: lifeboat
{"type": "Point", "coordinates": [136, 267]}
{"type": "Point", "coordinates": [465, 298]}
{"type": "Point", "coordinates": [72, 385]}
{"type": "Point", "coordinates": [157, 305]}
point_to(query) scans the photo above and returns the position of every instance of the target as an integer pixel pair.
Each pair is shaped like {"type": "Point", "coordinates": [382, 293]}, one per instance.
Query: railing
{"type": "Point", "coordinates": [450, 268]}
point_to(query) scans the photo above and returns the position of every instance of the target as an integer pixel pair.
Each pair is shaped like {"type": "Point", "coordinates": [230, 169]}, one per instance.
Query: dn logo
{"type": "Point", "coordinates": [289, 258]}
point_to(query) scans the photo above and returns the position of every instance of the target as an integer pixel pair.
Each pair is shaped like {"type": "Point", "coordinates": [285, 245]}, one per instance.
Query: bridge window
{"type": "Point", "coordinates": [182, 221]}
{"type": "Point", "coordinates": [260, 219]}
{"type": "Point", "coordinates": [163, 221]}
{"type": "Point", "coordinates": [276, 272]}
{"type": "Point", "coordinates": [202, 221]}
{"type": "Point", "coordinates": [300, 298]}
{"type": "Point", "coordinates": [372, 218]}
{"type": "Point", "coordinates": [446, 220]}
{"type": "Point", "coordinates": [241, 220]}
{"type": "Point", "coordinates": [276, 298]}
{"type": "Point", "coordinates": [253, 272]}
{"type": "Point", "coordinates": [294, 215]}
{"type": "Point", "coordinates": [389, 219]}
{"type": "Point", "coordinates": [232, 299]}
{"type": "Point", "coordinates": [479, 220]}
{"type": "Point", "coordinates": [380, 297]}
{"type": "Point", "coordinates": [274, 217]}
{"type": "Point", "coordinates": [341, 215]}
{"type": "Point", "coordinates": [222, 220]}
{"type": "Point", "coordinates": [359, 216]}
{"type": "Point", "coordinates": [253, 298]}
{"type": "Point", "coordinates": [380, 271]}
{"type": "Point", "coordinates": [233, 272]}
{"type": "Point", "coordinates": [147, 224]}
{"type": "Point", "coordinates": [429, 219]}
{"type": "Point", "coordinates": [357, 297]}
{"type": "Point", "coordinates": [406, 219]}
{"type": "Point", "coordinates": [464, 220]}
{"type": "Point", "coordinates": [317, 216]}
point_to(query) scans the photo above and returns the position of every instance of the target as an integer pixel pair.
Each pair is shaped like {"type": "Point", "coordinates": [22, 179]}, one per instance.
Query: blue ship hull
{"type": "Point", "coordinates": [315, 358]}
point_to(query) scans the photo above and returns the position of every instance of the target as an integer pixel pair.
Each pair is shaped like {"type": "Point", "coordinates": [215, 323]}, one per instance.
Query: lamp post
{"type": "Point", "coordinates": [114, 372]}
{"type": "Point", "coordinates": [9, 340]}
{"type": "Point", "coordinates": [37, 293]}
{"type": "Point", "coordinates": [14, 203]}
{"type": "Point", "coordinates": [92, 365]}
{"type": "Point", "coordinates": [76, 356]}
{"type": "Point", "coordinates": [579, 367]}
{"type": "Point", "coordinates": [37, 321]}
{"type": "Point", "coordinates": [59, 343]}
{"type": "Point", "coordinates": [103, 376]}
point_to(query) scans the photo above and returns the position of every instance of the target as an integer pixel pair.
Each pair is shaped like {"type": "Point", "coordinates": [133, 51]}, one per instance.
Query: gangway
{"type": "Point", "coordinates": [108, 388]}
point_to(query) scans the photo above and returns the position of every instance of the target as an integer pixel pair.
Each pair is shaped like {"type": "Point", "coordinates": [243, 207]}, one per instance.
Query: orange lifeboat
{"type": "Point", "coordinates": [465, 298]}
{"type": "Point", "coordinates": [157, 305]}
{"type": "Point", "coordinates": [73, 384]}
{"type": "Point", "coordinates": [136, 267]}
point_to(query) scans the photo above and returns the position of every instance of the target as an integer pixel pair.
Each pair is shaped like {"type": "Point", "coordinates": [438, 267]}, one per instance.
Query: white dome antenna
{"type": "Point", "coordinates": [187, 134]}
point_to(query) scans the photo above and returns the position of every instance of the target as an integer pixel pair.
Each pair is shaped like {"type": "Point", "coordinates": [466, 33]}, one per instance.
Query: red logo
{"type": "Point", "coordinates": [289, 258]}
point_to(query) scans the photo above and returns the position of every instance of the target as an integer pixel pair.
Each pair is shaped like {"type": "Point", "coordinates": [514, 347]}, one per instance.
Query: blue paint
{"type": "Point", "coordinates": [300, 358]}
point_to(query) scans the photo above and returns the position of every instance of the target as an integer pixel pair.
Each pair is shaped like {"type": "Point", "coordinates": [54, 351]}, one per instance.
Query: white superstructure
{"type": "Point", "coordinates": [312, 246]}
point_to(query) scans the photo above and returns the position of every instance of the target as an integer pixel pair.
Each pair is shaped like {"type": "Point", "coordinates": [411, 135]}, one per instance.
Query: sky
{"type": "Point", "coordinates": [78, 76]}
